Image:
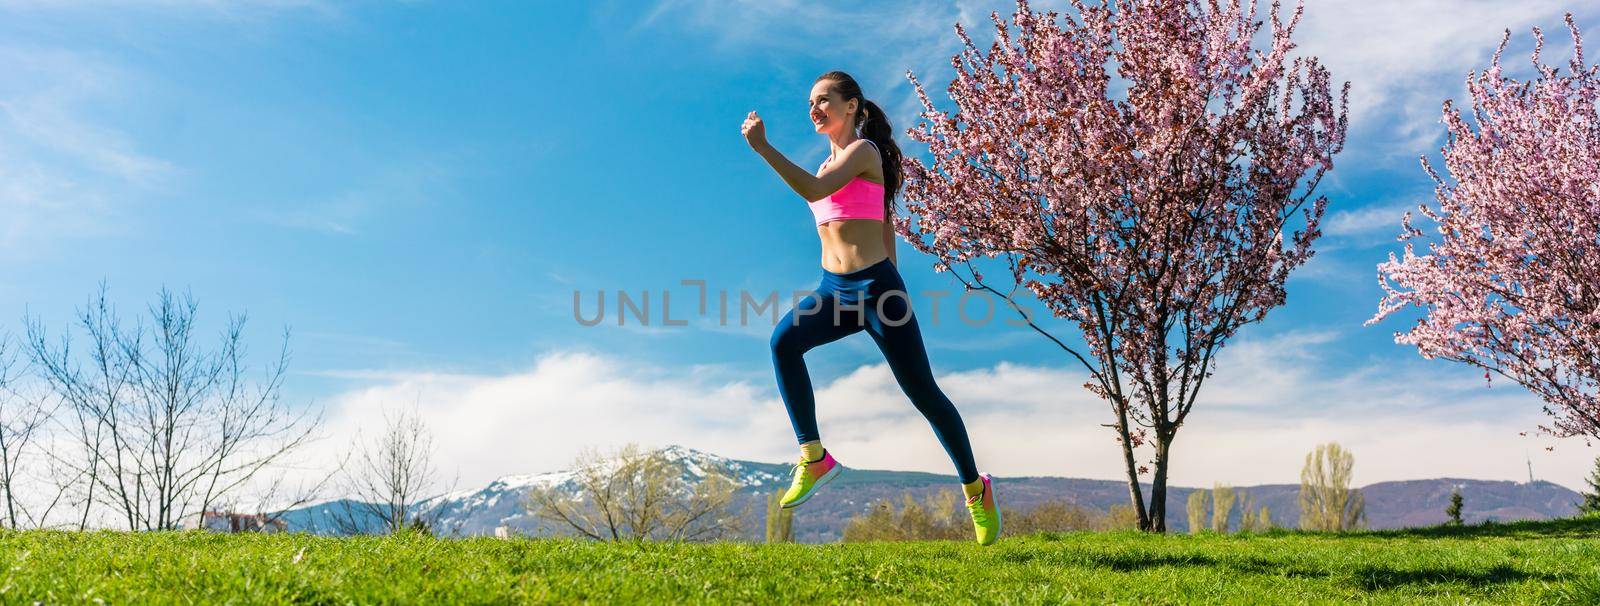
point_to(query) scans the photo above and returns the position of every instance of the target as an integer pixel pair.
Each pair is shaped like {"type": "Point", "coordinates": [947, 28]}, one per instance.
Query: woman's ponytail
{"type": "Point", "coordinates": [873, 125]}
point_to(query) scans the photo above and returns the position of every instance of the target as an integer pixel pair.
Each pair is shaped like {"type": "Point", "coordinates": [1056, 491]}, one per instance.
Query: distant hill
{"type": "Point", "coordinates": [1388, 504]}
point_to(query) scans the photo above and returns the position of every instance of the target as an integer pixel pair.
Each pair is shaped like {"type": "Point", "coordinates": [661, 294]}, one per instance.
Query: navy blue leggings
{"type": "Point", "coordinates": [873, 298]}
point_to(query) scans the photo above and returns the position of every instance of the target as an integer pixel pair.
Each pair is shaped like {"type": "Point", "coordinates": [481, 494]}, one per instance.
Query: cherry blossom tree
{"type": "Point", "coordinates": [1510, 282]}
{"type": "Point", "coordinates": [1158, 207]}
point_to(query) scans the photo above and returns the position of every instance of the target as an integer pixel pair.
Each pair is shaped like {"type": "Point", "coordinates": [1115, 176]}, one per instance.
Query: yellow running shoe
{"type": "Point", "coordinates": [985, 509]}
{"type": "Point", "coordinates": [808, 476]}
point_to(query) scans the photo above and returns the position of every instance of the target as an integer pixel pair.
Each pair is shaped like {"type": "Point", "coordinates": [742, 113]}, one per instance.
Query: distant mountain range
{"type": "Point", "coordinates": [1388, 504]}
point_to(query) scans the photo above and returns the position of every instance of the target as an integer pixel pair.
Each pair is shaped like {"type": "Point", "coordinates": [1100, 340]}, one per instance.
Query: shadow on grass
{"type": "Point", "coordinates": [1128, 562]}
{"type": "Point", "coordinates": [1583, 527]}
{"type": "Point", "coordinates": [1587, 527]}
{"type": "Point", "coordinates": [1124, 562]}
{"type": "Point", "coordinates": [1368, 577]}
{"type": "Point", "coordinates": [1372, 578]}
{"type": "Point", "coordinates": [1120, 561]}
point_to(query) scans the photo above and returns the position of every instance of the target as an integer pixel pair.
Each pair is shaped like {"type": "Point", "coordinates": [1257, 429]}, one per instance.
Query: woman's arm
{"type": "Point", "coordinates": [831, 179]}
{"type": "Point", "coordinates": [856, 159]}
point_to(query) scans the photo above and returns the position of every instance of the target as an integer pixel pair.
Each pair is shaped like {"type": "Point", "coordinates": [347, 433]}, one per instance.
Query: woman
{"type": "Point", "coordinates": [851, 198]}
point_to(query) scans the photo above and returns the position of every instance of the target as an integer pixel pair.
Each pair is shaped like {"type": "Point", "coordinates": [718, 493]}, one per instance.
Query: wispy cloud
{"type": "Point", "coordinates": [362, 343]}
{"type": "Point", "coordinates": [1002, 337]}
{"type": "Point", "coordinates": [1344, 253]}
{"type": "Point", "coordinates": [1328, 267]}
{"type": "Point", "coordinates": [69, 167]}
{"type": "Point", "coordinates": [46, 119]}
{"type": "Point", "coordinates": [59, 165]}
{"type": "Point", "coordinates": [392, 375]}
{"type": "Point", "coordinates": [1405, 57]}
{"type": "Point", "coordinates": [395, 187]}
{"type": "Point", "coordinates": [1368, 221]}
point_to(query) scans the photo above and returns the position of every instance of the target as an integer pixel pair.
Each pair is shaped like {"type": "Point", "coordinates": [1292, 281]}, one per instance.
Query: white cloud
{"type": "Point", "coordinates": [1259, 371]}
{"type": "Point", "coordinates": [1404, 58]}
{"type": "Point", "coordinates": [1370, 224]}
{"type": "Point", "coordinates": [1331, 269]}
{"type": "Point", "coordinates": [538, 419]}
{"type": "Point", "coordinates": [1271, 403]}
{"type": "Point", "coordinates": [63, 173]}
{"type": "Point", "coordinates": [402, 184]}
{"type": "Point", "coordinates": [66, 170]}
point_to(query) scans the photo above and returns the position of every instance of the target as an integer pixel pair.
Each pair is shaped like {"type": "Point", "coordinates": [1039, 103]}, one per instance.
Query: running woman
{"type": "Point", "coordinates": [852, 199]}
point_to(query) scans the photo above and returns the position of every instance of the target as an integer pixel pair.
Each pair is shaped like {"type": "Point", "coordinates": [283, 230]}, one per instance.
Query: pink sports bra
{"type": "Point", "coordinates": [858, 199]}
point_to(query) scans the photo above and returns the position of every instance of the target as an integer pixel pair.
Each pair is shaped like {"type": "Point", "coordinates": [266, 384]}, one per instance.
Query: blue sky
{"type": "Point", "coordinates": [417, 189]}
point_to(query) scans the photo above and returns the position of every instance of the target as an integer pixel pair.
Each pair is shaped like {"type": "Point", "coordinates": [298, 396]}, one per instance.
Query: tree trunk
{"type": "Point", "coordinates": [1158, 484]}
{"type": "Point", "coordinates": [1132, 467]}
{"type": "Point", "coordinates": [88, 501]}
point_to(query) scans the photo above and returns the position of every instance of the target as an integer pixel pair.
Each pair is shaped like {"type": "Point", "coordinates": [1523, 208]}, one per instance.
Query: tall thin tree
{"type": "Point", "coordinates": [1327, 499]}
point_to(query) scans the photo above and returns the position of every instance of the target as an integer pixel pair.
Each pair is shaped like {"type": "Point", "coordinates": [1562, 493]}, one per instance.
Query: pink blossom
{"type": "Point", "coordinates": [1510, 282]}
{"type": "Point", "coordinates": [1158, 220]}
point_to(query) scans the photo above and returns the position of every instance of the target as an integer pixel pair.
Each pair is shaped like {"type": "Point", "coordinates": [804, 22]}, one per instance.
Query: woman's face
{"type": "Point", "coordinates": [829, 114]}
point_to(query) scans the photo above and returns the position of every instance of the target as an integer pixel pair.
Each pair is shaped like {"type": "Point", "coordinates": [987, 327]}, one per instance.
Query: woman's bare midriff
{"type": "Point", "coordinates": [851, 244]}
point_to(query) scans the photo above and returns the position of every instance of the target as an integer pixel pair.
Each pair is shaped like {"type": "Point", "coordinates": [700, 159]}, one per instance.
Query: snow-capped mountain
{"type": "Point", "coordinates": [504, 502]}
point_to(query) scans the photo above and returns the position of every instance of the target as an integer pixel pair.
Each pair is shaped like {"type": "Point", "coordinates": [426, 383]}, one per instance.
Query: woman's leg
{"type": "Point", "coordinates": [809, 324]}
{"type": "Point", "coordinates": [894, 328]}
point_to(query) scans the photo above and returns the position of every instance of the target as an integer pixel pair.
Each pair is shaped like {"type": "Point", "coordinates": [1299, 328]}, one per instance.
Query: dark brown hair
{"type": "Point", "coordinates": [874, 125]}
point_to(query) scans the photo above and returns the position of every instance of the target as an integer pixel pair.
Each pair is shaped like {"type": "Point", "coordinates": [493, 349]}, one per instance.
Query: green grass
{"type": "Point", "coordinates": [1528, 562]}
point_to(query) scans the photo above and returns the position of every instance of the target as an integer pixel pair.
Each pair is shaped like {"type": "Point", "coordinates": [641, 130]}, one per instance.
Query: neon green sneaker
{"type": "Point", "coordinates": [985, 509]}
{"type": "Point", "coordinates": [808, 476]}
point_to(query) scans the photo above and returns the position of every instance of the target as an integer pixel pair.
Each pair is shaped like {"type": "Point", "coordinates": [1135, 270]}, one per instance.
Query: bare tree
{"type": "Point", "coordinates": [638, 495]}
{"type": "Point", "coordinates": [389, 480]}
{"type": "Point", "coordinates": [1056, 515]}
{"type": "Point", "coordinates": [161, 425]}
{"type": "Point", "coordinates": [93, 395]}
{"type": "Point", "coordinates": [939, 517]}
{"type": "Point", "coordinates": [22, 419]}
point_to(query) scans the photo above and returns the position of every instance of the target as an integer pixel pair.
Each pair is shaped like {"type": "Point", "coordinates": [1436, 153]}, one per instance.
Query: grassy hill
{"type": "Point", "coordinates": [1546, 562]}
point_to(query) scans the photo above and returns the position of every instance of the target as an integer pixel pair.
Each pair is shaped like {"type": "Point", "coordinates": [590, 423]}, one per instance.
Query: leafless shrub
{"type": "Point", "coordinates": [156, 425]}
{"type": "Point", "coordinates": [632, 494]}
